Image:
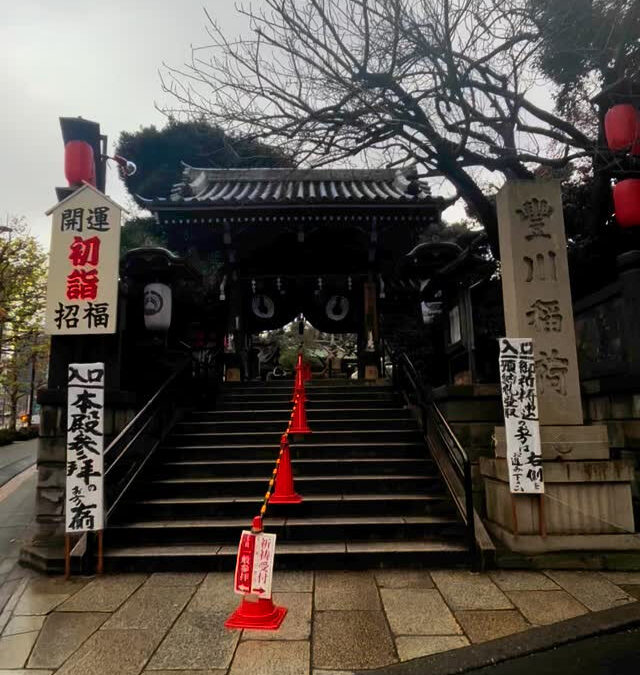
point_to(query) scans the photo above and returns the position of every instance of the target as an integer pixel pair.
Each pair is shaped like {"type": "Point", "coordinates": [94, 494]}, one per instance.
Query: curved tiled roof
{"type": "Point", "coordinates": [235, 187]}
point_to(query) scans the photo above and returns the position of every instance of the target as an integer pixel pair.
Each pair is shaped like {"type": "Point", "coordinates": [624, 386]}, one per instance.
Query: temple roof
{"type": "Point", "coordinates": [202, 188]}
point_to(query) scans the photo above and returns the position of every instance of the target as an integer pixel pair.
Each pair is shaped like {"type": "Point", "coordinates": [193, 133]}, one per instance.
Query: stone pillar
{"type": "Point", "coordinates": [536, 291]}
{"type": "Point", "coordinates": [587, 495]}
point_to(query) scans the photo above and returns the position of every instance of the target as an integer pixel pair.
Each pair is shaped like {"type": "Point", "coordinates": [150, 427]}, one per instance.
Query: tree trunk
{"type": "Point", "coordinates": [13, 409]}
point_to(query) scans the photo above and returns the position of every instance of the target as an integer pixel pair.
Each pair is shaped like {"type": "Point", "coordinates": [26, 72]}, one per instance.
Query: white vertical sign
{"type": "Point", "coordinates": [82, 288]}
{"type": "Point", "coordinates": [84, 502]}
{"type": "Point", "coordinates": [522, 426]}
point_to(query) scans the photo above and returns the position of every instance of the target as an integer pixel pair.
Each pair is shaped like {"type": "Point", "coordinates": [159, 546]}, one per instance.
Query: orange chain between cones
{"type": "Point", "coordinates": [274, 474]}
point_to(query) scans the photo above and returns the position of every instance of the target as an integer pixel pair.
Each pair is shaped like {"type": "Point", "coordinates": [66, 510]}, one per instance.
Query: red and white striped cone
{"type": "Point", "coordinates": [284, 492]}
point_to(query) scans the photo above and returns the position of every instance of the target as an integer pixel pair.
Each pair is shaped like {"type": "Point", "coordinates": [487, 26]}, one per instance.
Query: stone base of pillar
{"type": "Point", "coordinates": [534, 544]}
{"type": "Point", "coordinates": [587, 504]}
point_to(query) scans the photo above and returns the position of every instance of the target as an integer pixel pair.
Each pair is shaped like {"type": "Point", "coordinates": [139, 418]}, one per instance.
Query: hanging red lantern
{"type": "Point", "coordinates": [621, 126]}
{"type": "Point", "coordinates": [79, 163]}
{"type": "Point", "coordinates": [626, 199]}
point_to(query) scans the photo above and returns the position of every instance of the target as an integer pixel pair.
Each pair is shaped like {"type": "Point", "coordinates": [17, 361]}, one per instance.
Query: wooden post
{"type": "Point", "coordinates": [100, 567]}
{"type": "Point", "coordinates": [67, 556]}
{"type": "Point", "coordinates": [514, 514]}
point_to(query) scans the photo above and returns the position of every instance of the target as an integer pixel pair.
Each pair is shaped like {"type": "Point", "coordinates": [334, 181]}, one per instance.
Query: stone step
{"type": "Point", "coordinates": [311, 388]}
{"type": "Point", "coordinates": [301, 467]}
{"type": "Point", "coordinates": [252, 437]}
{"type": "Point", "coordinates": [312, 404]}
{"type": "Point", "coordinates": [305, 485]}
{"type": "Point", "coordinates": [328, 505]}
{"type": "Point", "coordinates": [279, 423]}
{"type": "Point", "coordinates": [315, 413]}
{"type": "Point", "coordinates": [290, 529]}
{"type": "Point", "coordinates": [433, 552]}
{"type": "Point", "coordinates": [306, 449]}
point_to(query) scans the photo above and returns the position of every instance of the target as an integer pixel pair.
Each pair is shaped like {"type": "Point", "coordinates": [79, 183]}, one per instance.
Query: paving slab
{"type": "Point", "coordinates": [418, 611]}
{"type": "Point", "coordinates": [215, 671]}
{"type": "Point", "coordinates": [414, 646]}
{"type": "Point", "coordinates": [216, 594]}
{"type": "Point", "coordinates": [346, 639]}
{"type": "Point", "coordinates": [151, 608]}
{"type": "Point", "coordinates": [544, 607]}
{"type": "Point", "coordinates": [171, 579]}
{"type": "Point", "coordinates": [591, 589]}
{"type": "Point", "coordinates": [197, 640]}
{"type": "Point", "coordinates": [632, 590]}
{"type": "Point", "coordinates": [331, 672]}
{"type": "Point", "coordinates": [124, 652]}
{"type": "Point", "coordinates": [293, 581]}
{"type": "Point", "coordinates": [7, 565]}
{"type": "Point", "coordinates": [522, 580]}
{"type": "Point", "coordinates": [25, 672]}
{"type": "Point", "coordinates": [104, 594]}
{"type": "Point", "coordinates": [296, 624]}
{"type": "Point", "coordinates": [481, 626]}
{"type": "Point", "coordinates": [271, 658]}
{"type": "Point", "coordinates": [346, 591]}
{"type": "Point", "coordinates": [623, 578]}
{"type": "Point", "coordinates": [7, 589]}
{"type": "Point", "coordinates": [61, 635]}
{"type": "Point", "coordinates": [463, 589]}
{"type": "Point", "coordinates": [43, 595]}
{"type": "Point", "coordinates": [23, 624]}
{"type": "Point", "coordinates": [403, 579]}
{"type": "Point", "coordinates": [15, 649]}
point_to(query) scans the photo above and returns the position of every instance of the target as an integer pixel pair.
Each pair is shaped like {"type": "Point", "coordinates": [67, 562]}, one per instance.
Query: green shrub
{"type": "Point", "coordinates": [7, 436]}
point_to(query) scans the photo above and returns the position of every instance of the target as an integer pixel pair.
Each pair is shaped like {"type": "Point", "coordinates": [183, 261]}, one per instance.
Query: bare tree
{"type": "Point", "coordinates": [448, 84]}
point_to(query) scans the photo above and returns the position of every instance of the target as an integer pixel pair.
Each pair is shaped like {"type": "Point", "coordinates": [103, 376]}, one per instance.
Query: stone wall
{"type": "Point", "coordinates": [49, 526]}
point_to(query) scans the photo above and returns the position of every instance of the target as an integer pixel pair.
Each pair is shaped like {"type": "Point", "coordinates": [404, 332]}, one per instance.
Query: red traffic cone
{"type": "Point", "coordinates": [298, 388]}
{"type": "Point", "coordinates": [260, 615]}
{"type": "Point", "coordinates": [284, 492]}
{"type": "Point", "coordinates": [257, 615]}
{"type": "Point", "coordinates": [299, 423]}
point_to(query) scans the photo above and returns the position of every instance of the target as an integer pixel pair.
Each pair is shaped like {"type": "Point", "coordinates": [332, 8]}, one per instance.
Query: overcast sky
{"type": "Point", "coordinates": [95, 59]}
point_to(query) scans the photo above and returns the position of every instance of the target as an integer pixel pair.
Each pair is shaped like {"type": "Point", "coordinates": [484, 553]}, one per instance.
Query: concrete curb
{"type": "Point", "coordinates": [517, 645]}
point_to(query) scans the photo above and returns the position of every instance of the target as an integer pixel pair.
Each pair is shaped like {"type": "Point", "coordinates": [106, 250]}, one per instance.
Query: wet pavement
{"type": "Point", "coordinates": [338, 622]}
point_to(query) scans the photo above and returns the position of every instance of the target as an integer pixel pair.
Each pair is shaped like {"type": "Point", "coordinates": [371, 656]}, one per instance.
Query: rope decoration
{"type": "Point", "coordinates": [274, 473]}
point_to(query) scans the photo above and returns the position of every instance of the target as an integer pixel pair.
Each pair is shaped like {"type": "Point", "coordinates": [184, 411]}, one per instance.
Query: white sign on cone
{"type": "Point", "coordinates": [84, 503]}
{"type": "Point", "coordinates": [522, 426]}
{"type": "Point", "coordinates": [254, 565]}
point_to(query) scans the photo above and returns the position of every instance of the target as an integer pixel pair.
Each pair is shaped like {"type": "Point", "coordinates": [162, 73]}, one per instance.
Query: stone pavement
{"type": "Point", "coordinates": [164, 624]}
{"type": "Point", "coordinates": [16, 457]}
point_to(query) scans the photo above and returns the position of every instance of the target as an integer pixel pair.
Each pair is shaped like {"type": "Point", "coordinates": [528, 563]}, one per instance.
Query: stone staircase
{"type": "Point", "coordinates": [371, 494]}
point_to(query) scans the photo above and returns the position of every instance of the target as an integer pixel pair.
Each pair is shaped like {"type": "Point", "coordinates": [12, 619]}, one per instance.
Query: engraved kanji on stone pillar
{"type": "Point", "coordinates": [537, 295]}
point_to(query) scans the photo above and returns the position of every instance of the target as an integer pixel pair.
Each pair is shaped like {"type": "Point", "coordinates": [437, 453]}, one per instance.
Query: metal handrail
{"type": "Point", "coordinates": [438, 436]}
{"type": "Point", "coordinates": [128, 453]}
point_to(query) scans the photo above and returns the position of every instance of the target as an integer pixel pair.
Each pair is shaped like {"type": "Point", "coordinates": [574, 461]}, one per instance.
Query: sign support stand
{"type": "Point", "coordinates": [67, 556]}
{"type": "Point", "coordinates": [100, 565]}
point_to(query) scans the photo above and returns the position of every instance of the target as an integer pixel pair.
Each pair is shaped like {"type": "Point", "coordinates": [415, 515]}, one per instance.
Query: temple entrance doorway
{"type": "Point", "coordinates": [331, 355]}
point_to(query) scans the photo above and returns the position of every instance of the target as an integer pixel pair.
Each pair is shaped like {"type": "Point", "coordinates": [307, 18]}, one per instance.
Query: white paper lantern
{"type": "Point", "coordinates": [157, 307]}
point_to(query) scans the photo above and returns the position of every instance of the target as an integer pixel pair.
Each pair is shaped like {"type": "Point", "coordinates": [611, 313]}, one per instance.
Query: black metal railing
{"type": "Point", "coordinates": [451, 458]}
{"type": "Point", "coordinates": [128, 453]}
